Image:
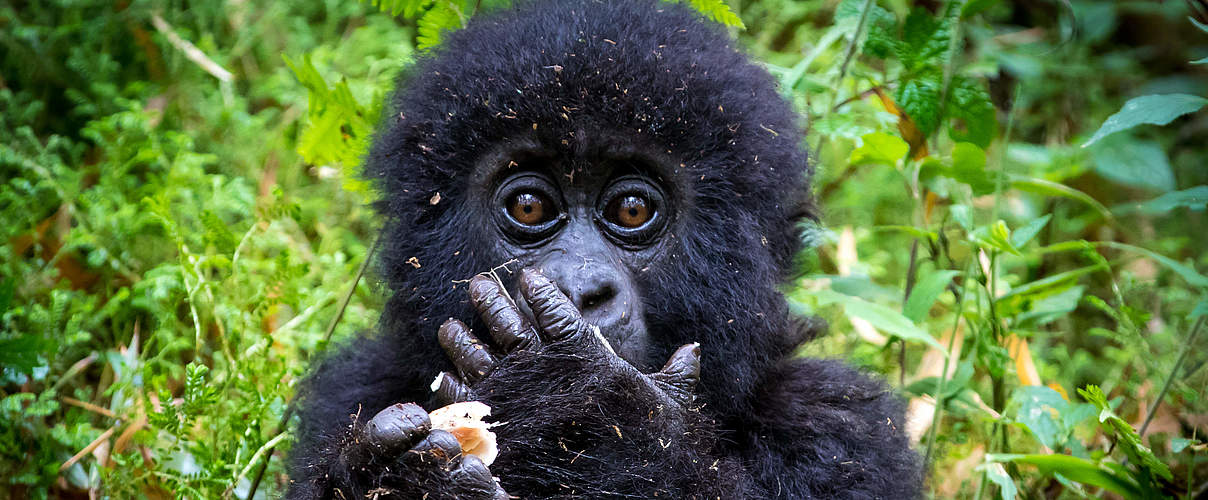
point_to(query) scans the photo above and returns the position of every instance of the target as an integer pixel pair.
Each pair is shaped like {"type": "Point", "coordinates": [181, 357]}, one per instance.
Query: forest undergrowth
{"type": "Point", "coordinates": [1013, 233]}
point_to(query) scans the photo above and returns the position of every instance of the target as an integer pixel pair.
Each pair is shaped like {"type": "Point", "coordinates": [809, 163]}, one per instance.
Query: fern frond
{"type": "Point", "coordinates": [717, 10]}
{"type": "Point", "coordinates": [443, 16]}
{"type": "Point", "coordinates": [408, 8]}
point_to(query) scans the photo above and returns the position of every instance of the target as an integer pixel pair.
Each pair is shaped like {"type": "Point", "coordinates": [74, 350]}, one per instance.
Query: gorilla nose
{"type": "Point", "coordinates": [595, 290]}
{"type": "Point", "coordinates": [592, 296]}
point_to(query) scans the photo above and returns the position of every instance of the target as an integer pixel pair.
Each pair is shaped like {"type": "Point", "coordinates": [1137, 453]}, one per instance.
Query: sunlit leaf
{"type": "Point", "coordinates": [1078, 469]}
{"type": "Point", "coordinates": [1148, 109]}
{"type": "Point", "coordinates": [881, 317]}
{"type": "Point", "coordinates": [1023, 235]}
{"type": "Point", "coordinates": [925, 293]}
{"type": "Point", "coordinates": [1050, 188]}
{"type": "Point", "coordinates": [1195, 198]}
{"type": "Point", "coordinates": [881, 148]}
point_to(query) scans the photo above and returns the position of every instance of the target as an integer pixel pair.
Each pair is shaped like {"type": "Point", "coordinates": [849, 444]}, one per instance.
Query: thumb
{"type": "Point", "coordinates": [681, 372]}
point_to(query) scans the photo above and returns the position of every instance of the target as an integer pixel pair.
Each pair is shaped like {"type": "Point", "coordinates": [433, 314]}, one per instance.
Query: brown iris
{"type": "Point", "coordinates": [630, 211]}
{"type": "Point", "coordinates": [530, 208]}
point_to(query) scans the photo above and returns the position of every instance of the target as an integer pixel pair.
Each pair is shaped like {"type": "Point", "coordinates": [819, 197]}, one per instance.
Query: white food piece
{"type": "Point", "coordinates": [436, 382]}
{"type": "Point", "coordinates": [464, 421]}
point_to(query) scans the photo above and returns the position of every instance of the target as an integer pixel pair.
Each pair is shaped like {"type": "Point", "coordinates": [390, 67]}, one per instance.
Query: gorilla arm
{"type": "Point", "coordinates": [577, 419]}
{"type": "Point", "coordinates": [582, 421]}
{"type": "Point", "coordinates": [345, 451]}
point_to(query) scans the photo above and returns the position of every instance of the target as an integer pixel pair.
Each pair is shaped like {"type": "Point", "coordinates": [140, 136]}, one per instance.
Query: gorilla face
{"type": "Point", "coordinates": [590, 222]}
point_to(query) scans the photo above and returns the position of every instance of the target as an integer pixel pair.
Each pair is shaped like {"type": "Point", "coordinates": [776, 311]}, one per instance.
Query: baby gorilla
{"type": "Point", "coordinates": [650, 182]}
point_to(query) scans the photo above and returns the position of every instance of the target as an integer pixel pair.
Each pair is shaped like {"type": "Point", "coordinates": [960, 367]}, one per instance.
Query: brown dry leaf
{"type": "Point", "coordinates": [906, 127]}
{"type": "Point", "coordinates": [1025, 368]}
{"type": "Point", "coordinates": [464, 421]}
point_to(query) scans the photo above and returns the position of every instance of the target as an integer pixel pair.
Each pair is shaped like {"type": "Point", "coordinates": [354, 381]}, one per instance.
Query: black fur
{"type": "Point", "coordinates": [595, 74]}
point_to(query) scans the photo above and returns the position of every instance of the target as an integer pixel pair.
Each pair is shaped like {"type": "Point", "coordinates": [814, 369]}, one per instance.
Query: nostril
{"type": "Point", "coordinates": [597, 298]}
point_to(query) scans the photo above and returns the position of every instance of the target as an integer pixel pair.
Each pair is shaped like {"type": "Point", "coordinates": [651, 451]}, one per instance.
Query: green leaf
{"type": "Point", "coordinates": [1126, 437]}
{"type": "Point", "coordinates": [925, 293]}
{"type": "Point", "coordinates": [879, 147]}
{"type": "Point", "coordinates": [914, 231]}
{"type": "Point", "coordinates": [1025, 234]}
{"type": "Point", "coordinates": [442, 17]}
{"type": "Point", "coordinates": [717, 10]}
{"type": "Point", "coordinates": [969, 167]}
{"type": "Point", "coordinates": [974, 118]}
{"type": "Point", "coordinates": [919, 99]}
{"type": "Point", "coordinates": [925, 40]}
{"type": "Point", "coordinates": [7, 288]}
{"type": "Point", "coordinates": [1188, 273]}
{"type": "Point", "coordinates": [1195, 198]}
{"type": "Point", "coordinates": [408, 8]}
{"type": "Point", "coordinates": [954, 387]}
{"type": "Point", "coordinates": [1178, 444]}
{"type": "Point", "coordinates": [1148, 109]}
{"type": "Point", "coordinates": [1134, 163]}
{"type": "Point", "coordinates": [996, 236]}
{"type": "Point", "coordinates": [998, 475]}
{"type": "Point", "coordinates": [1039, 409]}
{"type": "Point", "coordinates": [1041, 308]}
{"type": "Point", "coordinates": [1050, 188]}
{"type": "Point", "coordinates": [1200, 309]}
{"type": "Point", "coordinates": [1200, 61]}
{"type": "Point", "coordinates": [1064, 279]}
{"type": "Point", "coordinates": [974, 7]}
{"type": "Point", "coordinates": [1077, 469]}
{"type": "Point", "coordinates": [21, 352]}
{"type": "Point", "coordinates": [881, 317]}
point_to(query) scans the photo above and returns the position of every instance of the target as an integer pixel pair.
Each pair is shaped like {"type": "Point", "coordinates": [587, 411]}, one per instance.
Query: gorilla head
{"type": "Point", "coordinates": [640, 161]}
{"type": "Point", "coordinates": [628, 152]}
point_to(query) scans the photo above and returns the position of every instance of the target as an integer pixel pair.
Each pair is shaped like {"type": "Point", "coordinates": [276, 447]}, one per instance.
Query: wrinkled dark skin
{"type": "Point", "coordinates": [558, 321]}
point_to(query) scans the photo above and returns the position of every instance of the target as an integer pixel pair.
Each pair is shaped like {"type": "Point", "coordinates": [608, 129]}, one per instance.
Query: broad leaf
{"type": "Point", "coordinates": [1148, 109]}
{"type": "Point", "coordinates": [1023, 235]}
{"type": "Point", "coordinates": [925, 293]}
{"type": "Point", "coordinates": [1195, 198]}
{"type": "Point", "coordinates": [879, 147]}
{"type": "Point", "coordinates": [881, 317]}
{"type": "Point", "coordinates": [1134, 163]}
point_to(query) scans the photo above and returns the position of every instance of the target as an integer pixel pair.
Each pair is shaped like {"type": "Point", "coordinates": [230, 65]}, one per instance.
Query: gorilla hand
{"type": "Point", "coordinates": [561, 328]}
{"type": "Point", "coordinates": [400, 454]}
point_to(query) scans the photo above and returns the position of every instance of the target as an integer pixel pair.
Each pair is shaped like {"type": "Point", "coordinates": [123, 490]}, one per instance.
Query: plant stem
{"type": "Point", "coordinates": [1153, 407]}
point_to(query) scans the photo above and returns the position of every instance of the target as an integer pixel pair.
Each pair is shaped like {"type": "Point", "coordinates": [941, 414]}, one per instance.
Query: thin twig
{"type": "Point", "coordinates": [88, 449]}
{"type": "Point", "coordinates": [1153, 407]}
{"type": "Point", "coordinates": [266, 448]}
{"type": "Point", "coordinates": [100, 410]}
{"type": "Point", "coordinates": [348, 295]}
{"type": "Point", "coordinates": [191, 51]}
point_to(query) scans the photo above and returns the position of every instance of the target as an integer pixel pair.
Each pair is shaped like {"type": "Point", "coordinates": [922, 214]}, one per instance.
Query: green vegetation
{"type": "Point", "coordinates": [1014, 198]}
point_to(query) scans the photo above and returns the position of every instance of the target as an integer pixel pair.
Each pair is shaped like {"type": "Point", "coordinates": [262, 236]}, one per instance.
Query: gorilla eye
{"type": "Point", "coordinates": [629, 211]}
{"type": "Point", "coordinates": [633, 211]}
{"type": "Point", "coordinates": [531, 208]}
{"type": "Point", "coordinates": [527, 208]}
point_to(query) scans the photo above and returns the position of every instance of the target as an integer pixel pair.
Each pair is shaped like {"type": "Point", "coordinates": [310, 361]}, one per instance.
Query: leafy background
{"type": "Point", "coordinates": [1014, 198]}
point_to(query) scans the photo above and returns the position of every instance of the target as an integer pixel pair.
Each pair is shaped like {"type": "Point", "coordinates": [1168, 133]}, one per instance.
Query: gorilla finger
{"type": "Point", "coordinates": [469, 355]}
{"type": "Point", "coordinates": [440, 445]}
{"type": "Point", "coordinates": [450, 390]}
{"type": "Point", "coordinates": [507, 325]}
{"type": "Point", "coordinates": [474, 480]}
{"type": "Point", "coordinates": [555, 313]}
{"type": "Point", "coordinates": [397, 426]}
{"type": "Point", "coordinates": [681, 373]}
